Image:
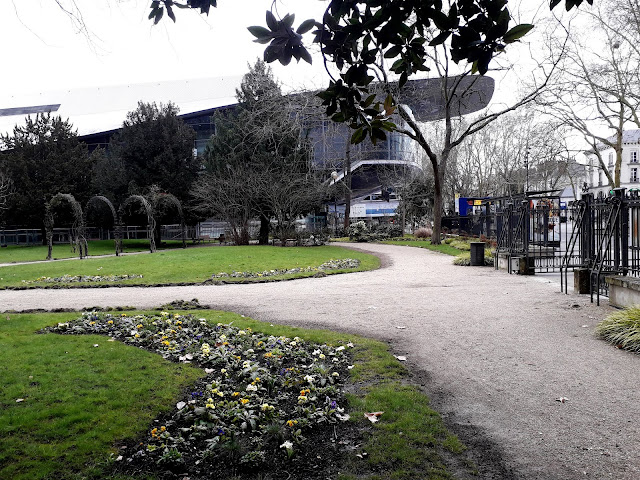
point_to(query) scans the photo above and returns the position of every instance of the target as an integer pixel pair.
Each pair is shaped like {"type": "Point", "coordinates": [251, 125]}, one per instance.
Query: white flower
{"type": "Point", "coordinates": [350, 345]}
{"type": "Point", "coordinates": [350, 366]}
{"type": "Point", "coordinates": [308, 378]}
{"type": "Point", "coordinates": [208, 370]}
{"type": "Point", "coordinates": [180, 405]}
{"type": "Point", "coordinates": [321, 356]}
{"type": "Point", "coordinates": [340, 348]}
{"type": "Point", "coordinates": [335, 374]}
{"type": "Point", "coordinates": [288, 445]}
{"type": "Point", "coordinates": [251, 388]}
{"type": "Point", "coordinates": [317, 352]}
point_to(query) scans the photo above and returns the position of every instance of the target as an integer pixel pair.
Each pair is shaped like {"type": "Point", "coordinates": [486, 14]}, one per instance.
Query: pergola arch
{"type": "Point", "coordinates": [159, 198]}
{"type": "Point", "coordinates": [117, 227]}
{"type": "Point", "coordinates": [77, 229]}
{"type": "Point", "coordinates": [151, 222]}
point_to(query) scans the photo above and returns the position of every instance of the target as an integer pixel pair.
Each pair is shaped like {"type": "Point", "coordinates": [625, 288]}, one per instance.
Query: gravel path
{"type": "Point", "coordinates": [494, 352]}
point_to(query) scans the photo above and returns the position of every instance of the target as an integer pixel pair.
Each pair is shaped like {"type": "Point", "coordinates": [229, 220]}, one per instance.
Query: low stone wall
{"type": "Point", "coordinates": [623, 291]}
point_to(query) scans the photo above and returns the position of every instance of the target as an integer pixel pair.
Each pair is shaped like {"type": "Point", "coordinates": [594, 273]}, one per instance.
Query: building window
{"type": "Point", "coordinates": [634, 175]}
{"type": "Point", "coordinates": [634, 156]}
{"type": "Point", "coordinates": [600, 178]}
{"type": "Point", "coordinates": [610, 160]}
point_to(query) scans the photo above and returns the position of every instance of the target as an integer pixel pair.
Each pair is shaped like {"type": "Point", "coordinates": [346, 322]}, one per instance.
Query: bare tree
{"type": "Point", "coordinates": [596, 88]}
{"type": "Point", "coordinates": [6, 189]}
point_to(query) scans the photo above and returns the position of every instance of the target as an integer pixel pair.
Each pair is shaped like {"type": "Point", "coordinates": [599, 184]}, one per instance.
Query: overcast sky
{"type": "Point", "coordinates": [43, 49]}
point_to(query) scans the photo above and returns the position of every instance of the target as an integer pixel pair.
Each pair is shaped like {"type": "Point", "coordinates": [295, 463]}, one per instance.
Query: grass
{"type": "Point", "coordinates": [442, 248]}
{"type": "Point", "coordinates": [78, 399]}
{"type": "Point", "coordinates": [31, 253]}
{"type": "Point", "coordinates": [622, 329]}
{"type": "Point", "coordinates": [81, 401]}
{"type": "Point", "coordinates": [192, 265]}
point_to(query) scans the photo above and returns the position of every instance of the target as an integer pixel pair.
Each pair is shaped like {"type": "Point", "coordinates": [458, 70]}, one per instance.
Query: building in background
{"type": "Point", "coordinates": [97, 113]}
{"type": "Point", "coordinates": [597, 180]}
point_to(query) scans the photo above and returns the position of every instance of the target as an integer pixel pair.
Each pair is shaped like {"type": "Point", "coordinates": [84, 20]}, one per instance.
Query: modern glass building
{"type": "Point", "coordinates": [99, 112]}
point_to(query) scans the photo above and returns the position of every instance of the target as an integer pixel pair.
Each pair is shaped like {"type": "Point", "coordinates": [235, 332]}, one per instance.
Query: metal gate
{"type": "Point", "coordinates": [530, 229]}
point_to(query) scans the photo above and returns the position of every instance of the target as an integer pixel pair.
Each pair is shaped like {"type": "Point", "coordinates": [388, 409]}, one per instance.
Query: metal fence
{"type": "Point", "coordinates": [535, 233]}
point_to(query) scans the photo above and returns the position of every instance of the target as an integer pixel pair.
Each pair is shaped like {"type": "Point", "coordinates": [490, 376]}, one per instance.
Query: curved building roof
{"type": "Point", "coordinates": [103, 109]}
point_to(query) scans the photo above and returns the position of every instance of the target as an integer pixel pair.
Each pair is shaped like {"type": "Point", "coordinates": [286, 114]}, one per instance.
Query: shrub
{"type": "Point", "coordinates": [464, 259]}
{"type": "Point", "coordinates": [460, 245]}
{"type": "Point", "coordinates": [358, 232]}
{"type": "Point", "coordinates": [423, 232]}
{"type": "Point", "coordinates": [622, 329]}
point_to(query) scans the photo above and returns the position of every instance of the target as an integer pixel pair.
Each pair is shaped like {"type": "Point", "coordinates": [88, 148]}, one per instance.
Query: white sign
{"type": "Point", "coordinates": [359, 210]}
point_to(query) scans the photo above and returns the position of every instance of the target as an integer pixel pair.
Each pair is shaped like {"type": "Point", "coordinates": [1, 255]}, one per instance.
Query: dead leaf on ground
{"type": "Point", "coordinates": [373, 417]}
{"type": "Point", "coordinates": [401, 358]}
{"type": "Point", "coordinates": [562, 399]}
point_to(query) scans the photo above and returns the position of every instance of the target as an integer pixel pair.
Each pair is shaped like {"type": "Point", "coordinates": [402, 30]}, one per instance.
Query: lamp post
{"type": "Point", "coordinates": [526, 167]}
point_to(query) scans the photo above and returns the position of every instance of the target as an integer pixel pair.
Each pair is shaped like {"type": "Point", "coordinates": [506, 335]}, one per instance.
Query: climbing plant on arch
{"type": "Point", "coordinates": [117, 226]}
{"type": "Point", "coordinates": [77, 230]}
{"type": "Point", "coordinates": [159, 198]}
{"type": "Point", "coordinates": [146, 207]}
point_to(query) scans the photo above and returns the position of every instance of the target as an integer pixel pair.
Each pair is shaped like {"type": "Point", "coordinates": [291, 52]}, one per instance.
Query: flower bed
{"type": "Point", "coordinates": [330, 265]}
{"type": "Point", "coordinates": [261, 396]}
{"type": "Point", "coordinates": [83, 278]}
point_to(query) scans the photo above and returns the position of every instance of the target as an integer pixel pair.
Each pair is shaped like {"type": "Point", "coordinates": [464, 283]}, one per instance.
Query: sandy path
{"type": "Point", "coordinates": [493, 350]}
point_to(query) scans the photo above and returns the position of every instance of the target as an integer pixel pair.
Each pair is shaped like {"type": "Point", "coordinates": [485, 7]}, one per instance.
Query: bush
{"type": "Point", "coordinates": [622, 329]}
{"type": "Point", "coordinates": [423, 232]}
{"type": "Point", "coordinates": [359, 232]}
{"type": "Point", "coordinates": [464, 259]}
{"type": "Point", "coordinates": [460, 245]}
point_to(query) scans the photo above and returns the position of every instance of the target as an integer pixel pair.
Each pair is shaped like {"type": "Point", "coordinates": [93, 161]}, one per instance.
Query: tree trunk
{"type": "Point", "coordinates": [438, 177]}
{"type": "Point", "coordinates": [437, 213]}
{"type": "Point", "coordinates": [263, 238]}
{"type": "Point", "coordinates": [347, 182]}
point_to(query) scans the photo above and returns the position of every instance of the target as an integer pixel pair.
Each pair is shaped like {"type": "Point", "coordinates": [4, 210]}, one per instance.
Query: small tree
{"type": "Point", "coordinates": [43, 158]}
{"type": "Point", "coordinates": [260, 157]}
{"type": "Point", "coordinates": [154, 147]}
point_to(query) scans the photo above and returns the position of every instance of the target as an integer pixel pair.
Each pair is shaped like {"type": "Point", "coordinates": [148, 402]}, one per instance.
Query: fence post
{"type": "Point", "coordinates": [622, 255]}
{"type": "Point", "coordinates": [586, 229]}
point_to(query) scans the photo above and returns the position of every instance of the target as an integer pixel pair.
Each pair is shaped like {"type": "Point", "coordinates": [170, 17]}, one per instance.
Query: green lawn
{"type": "Point", "coordinates": [442, 248]}
{"type": "Point", "coordinates": [78, 399]}
{"type": "Point", "coordinates": [192, 265]}
{"type": "Point", "coordinates": [30, 253]}
{"type": "Point", "coordinates": [81, 401]}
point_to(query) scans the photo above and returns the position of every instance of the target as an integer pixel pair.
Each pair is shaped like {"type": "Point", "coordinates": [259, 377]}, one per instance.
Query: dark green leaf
{"type": "Point", "coordinates": [517, 32]}
{"type": "Point", "coordinates": [393, 51]}
{"type": "Point", "coordinates": [288, 20]}
{"type": "Point", "coordinates": [440, 39]}
{"type": "Point", "coordinates": [272, 23]}
{"type": "Point", "coordinates": [262, 34]}
{"type": "Point", "coordinates": [306, 26]}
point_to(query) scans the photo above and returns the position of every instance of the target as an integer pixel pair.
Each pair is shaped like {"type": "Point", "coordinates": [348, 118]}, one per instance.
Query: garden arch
{"type": "Point", "coordinates": [159, 198]}
{"type": "Point", "coordinates": [77, 230]}
{"type": "Point", "coordinates": [117, 227]}
{"type": "Point", "coordinates": [151, 222]}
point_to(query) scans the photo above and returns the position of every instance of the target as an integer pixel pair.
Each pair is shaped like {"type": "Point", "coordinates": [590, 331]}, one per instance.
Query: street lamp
{"type": "Point", "coordinates": [526, 167]}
